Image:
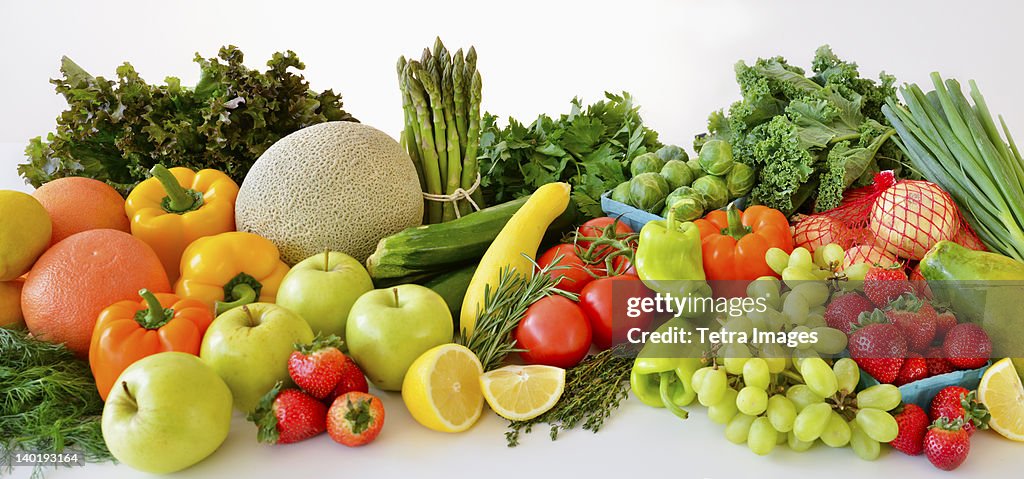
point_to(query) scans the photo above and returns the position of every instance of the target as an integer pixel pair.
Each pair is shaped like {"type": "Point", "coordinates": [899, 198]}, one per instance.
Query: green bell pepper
{"type": "Point", "coordinates": [668, 258]}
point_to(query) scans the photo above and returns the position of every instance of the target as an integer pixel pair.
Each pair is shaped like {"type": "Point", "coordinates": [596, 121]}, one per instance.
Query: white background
{"type": "Point", "coordinates": [675, 57]}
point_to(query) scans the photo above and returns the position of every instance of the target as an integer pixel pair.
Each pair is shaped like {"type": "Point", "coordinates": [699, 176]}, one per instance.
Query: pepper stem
{"type": "Point", "coordinates": [243, 294]}
{"type": "Point", "coordinates": [155, 315]}
{"type": "Point", "coordinates": [178, 199]}
{"type": "Point", "coordinates": [736, 229]}
{"type": "Point", "coordinates": [666, 380]}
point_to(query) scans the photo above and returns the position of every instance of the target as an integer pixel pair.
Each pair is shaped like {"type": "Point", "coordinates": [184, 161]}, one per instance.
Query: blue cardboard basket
{"type": "Point", "coordinates": [922, 391]}
{"type": "Point", "coordinates": [635, 217]}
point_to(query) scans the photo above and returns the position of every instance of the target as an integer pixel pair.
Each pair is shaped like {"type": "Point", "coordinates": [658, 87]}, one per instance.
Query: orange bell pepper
{"type": "Point", "coordinates": [734, 242]}
{"type": "Point", "coordinates": [175, 207]}
{"type": "Point", "coordinates": [231, 269]}
{"type": "Point", "coordinates": [128, 331]}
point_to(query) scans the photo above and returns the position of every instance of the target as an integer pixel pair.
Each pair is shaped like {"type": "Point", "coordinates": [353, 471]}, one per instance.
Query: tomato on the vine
{"type": "Point", "coordinates": [603, 302]}
{"type": "Point", "coordinates": [554, 332]}
{"type": "Point", "coordinates": [596, 227]}
{"type": "Point", "coordinates": [577, 273]}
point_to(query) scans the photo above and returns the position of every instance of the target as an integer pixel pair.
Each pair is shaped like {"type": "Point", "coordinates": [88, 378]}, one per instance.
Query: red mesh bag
{"type": "Point", "coordinates": [888, 221]}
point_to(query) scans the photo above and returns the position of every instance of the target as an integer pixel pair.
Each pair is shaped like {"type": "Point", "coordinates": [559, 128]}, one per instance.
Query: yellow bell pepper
{"type": "Point", "coordinates": [175, 207]}
{"type": "Point", "coordinates": [231, 269]}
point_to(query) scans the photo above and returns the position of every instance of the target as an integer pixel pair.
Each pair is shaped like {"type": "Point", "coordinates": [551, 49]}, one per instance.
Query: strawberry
{"type": "Point", "coordinates": [967, 346]}
{"type": "Point", "coordinates": [355, 418]}
{"type": "Point", "coordinates": [913, 424]}
{"type": "Point", "coordinates": [955, 402]}
{"type": "Point", "coordinates": [915, 318]}
{"type": "Point", "coordinates": [287, 416]}
{"type": "Point", "coordinates": [352, 379]}
{"type": "Point", "coordinates": [937, 362]}
{"type": "Point", "coordinates": [914, 367]}
{"type": "Point", "coordinates": [944, 321]}
{"type": "Point", "coordinates": [878, 347]}
{"type": "Point", "coordinates": [317, 367]}
{"type": "Point", "coordinates": [843, 311]}
{"type": "Point", "coordinates": [946, 444]}
{"type": "Point", "coordinates": [884, 284]}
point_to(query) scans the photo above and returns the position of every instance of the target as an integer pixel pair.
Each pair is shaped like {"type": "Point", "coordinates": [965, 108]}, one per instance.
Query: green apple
{"type": "Point", "coordinates": [322, 288]}
{"type": "Point", "coordinates": [249, 347]}
{"type": "Point", "coordinates": [166, 412]}
{"type": "Point", "coordinates": [389, 328]}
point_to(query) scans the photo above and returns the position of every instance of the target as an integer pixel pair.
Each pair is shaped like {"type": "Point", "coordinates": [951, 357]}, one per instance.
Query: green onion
{"type": "Point", "coordinates": [957, 145]}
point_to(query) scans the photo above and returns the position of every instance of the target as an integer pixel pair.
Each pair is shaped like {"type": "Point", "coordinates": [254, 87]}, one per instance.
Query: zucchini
{"type": "Point", "coordinates": [452, 287]}
{"type": "Point", "coordinates": [429, 250]}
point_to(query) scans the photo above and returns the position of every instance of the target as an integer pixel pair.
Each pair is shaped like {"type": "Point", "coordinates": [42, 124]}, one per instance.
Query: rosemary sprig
{"type": "Point", "coordinates": [48, 401]}
{"type": "Point", "coordinates": [504, 307]}
{"type": "Point", "coordinates": [593, 389]}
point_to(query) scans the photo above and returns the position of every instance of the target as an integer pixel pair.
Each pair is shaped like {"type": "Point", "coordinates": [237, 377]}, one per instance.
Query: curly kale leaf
{"type": "Point", "coordinates": [848, 163]}
{"type": "Point", "coordinates": [116, 130]}
{"type": "Point", "coordinates": [830, 70]}
{"type": "Point", "coordinates": [785, 163]}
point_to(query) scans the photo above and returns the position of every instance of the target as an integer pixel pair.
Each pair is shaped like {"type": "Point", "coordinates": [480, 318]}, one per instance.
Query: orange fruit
{"type": "Point", "coordinates": [81, 204]}
{"type": "Point", "coordinates": [77, 278]}
{"type": "Point", "coordinates": [10, 304]}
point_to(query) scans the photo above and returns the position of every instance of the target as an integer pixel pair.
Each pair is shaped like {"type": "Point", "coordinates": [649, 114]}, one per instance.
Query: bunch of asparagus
{"type": "Point", "coordinates": [441, 101]}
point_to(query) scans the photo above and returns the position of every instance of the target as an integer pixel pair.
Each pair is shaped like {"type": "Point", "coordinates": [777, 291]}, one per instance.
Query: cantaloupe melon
{"type": "Point", "coordinates": [338, 186]}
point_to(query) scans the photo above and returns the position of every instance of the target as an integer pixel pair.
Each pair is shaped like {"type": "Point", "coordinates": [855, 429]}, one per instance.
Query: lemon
{"type": "Point", "coordinates": [1001, 392]}
{"type": "Point", "coordinates": [441, 389]}
{"type": "Point", "coordinates": [518, 393]}
{"type": "Point", "coordinates": [24, 233]}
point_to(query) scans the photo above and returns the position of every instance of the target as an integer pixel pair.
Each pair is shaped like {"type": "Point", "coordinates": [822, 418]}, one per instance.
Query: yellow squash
{"type": "Point", "coordinates": [520, 236]}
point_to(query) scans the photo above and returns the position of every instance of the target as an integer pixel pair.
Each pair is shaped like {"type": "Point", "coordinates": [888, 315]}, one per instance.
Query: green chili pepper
{"type": "Point", "coordinates": [662, 371]}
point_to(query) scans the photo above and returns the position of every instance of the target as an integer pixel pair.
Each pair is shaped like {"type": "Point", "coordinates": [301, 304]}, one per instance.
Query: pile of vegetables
{"type": "Point", "coordinates": [958, 146]}
{"type": "Point", "coordinates": [441, 99]}
{"type": "Point", "coordinates": [809, 138]}
{"type": "Point", "coordinates": [590, 148]}
{"type": "Point", "coordinates": [117, 130]}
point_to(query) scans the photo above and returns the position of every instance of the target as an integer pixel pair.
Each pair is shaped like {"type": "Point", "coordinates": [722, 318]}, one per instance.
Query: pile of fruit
{"type": "Point", "coordinates": [286, 299]}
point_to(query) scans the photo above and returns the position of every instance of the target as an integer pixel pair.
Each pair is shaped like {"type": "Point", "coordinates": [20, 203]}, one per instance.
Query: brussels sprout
{"type": "Point", "coordinates": [677, 173]}
{"type": "Point", "coordinates": [668, 153]}
{"type": "Point", "coordinates": [740, 180]}
{"type": "Point", "coordinates": [716, 157]}
{"type": "Point", "coordinates": [621, 193]}
{"type": "Point", "coordinates": [647, 191]}
{"type": "Point", "coordinates": [713, 190]}
{"type": "Point", "coordinates": [684, 192]}
{"type": "Point", "coordinates": [646, 163]}
{"type": "Point", "coordinates": [695, 168]}
{"type": "Point", "coordinates": [685, 209]}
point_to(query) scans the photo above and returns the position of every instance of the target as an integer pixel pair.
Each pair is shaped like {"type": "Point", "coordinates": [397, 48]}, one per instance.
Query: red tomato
{"type": "Point", "coordinates": [596, 227]}
{"type": "Point", "coordinates": [554, 332]}
{"type": "Point", "coordinates": [578, 273]}
{"type": "Point", "coordinates": [603, 302]}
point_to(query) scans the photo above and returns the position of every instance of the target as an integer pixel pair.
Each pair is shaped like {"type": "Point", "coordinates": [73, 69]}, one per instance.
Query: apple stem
{"type": "Point", "coordinates": [395, 290]}
{"type": "Point", "coordinates": [248, 313]}
{"type": "Point", "coordinates": [124, 384]}
{"type": "Point", "coordinates": [327, 260]}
